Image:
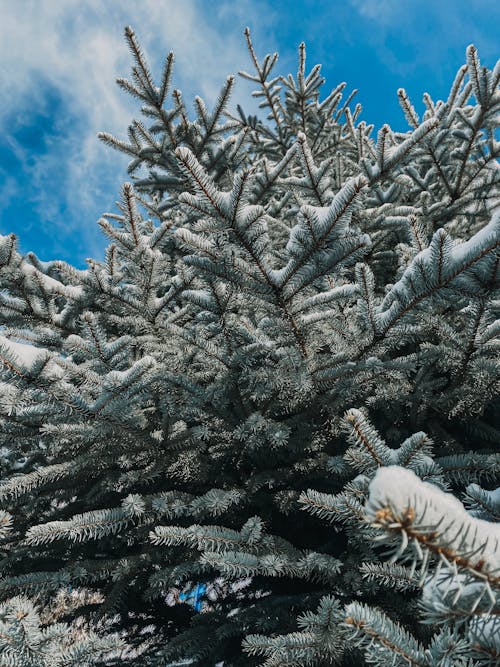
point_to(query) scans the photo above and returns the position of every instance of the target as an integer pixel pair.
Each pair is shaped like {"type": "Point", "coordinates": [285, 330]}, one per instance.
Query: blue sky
{"type": "Point", "coordinates": [59, 60]}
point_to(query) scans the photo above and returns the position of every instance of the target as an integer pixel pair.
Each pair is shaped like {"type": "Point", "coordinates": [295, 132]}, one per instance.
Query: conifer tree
{"type": "Point", "coordinates": [291, 315]}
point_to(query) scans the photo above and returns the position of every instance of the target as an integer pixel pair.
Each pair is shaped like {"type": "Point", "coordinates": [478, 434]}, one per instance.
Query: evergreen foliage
{"type": "Point", "coordinates": [298, 289]}
{"type": "Point", "coordinates": [28, 640]}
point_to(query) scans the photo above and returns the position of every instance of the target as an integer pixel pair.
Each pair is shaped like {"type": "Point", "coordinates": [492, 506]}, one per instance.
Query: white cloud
{"type": "Point", "coordinates": [381, 10]}
{"type": "Point", "coordinates": [76, 50]}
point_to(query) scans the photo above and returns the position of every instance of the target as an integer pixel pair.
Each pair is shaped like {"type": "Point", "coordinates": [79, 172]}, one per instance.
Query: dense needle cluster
{"type": "Point", "coordinates": [264, 430]}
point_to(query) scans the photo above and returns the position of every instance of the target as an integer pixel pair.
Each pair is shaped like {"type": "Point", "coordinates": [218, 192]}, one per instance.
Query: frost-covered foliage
{"type": "Point", "coordinates": [164, 412]}
{"type": "Point", "coordinates": [25, 641]}
{"type": "Point", "coordinates": [420, 539]}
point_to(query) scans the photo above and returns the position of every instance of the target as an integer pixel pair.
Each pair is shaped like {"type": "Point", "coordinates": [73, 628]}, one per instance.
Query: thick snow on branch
{"type": "Point", "coordinates": [21, 357]}
{"type": "Point", "coordinates": [51, 285]}
{"type": "Point", "coordinates": [27, 355]}
{"type": "Point", "coordinates": [400, 500]}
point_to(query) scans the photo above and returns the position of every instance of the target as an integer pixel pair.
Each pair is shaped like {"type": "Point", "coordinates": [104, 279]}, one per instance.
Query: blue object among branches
{"type": "Point", "coordinates": [194, 596]}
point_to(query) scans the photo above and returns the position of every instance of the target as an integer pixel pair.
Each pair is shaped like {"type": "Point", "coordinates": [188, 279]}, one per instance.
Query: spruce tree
{"type": "Point", "coordinates": [291, 315]}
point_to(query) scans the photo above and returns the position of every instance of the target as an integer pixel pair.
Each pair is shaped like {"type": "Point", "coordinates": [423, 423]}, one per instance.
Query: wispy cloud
{"type": "Point", "coordinates": [381, 10]}
{"type": "Point", "coordinates": [73, 51]}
